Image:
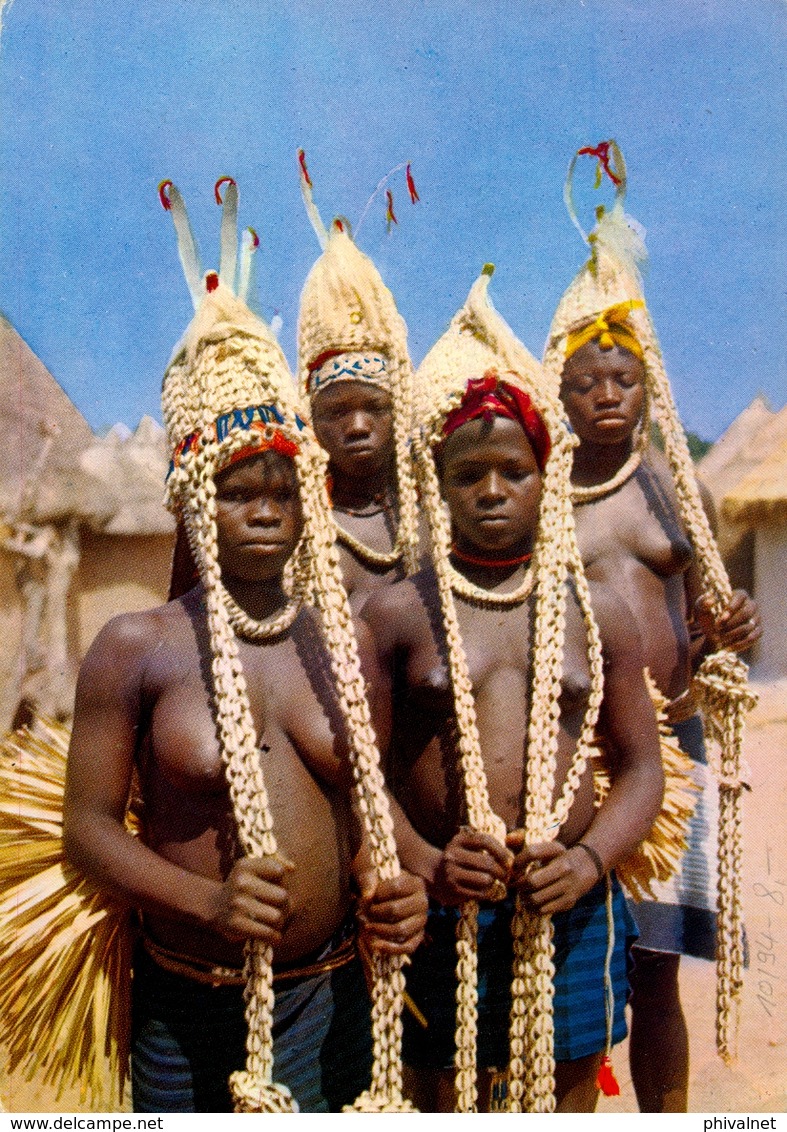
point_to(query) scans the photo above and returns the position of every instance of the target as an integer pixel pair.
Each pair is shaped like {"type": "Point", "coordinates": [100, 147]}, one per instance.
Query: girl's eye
{"type": "Point", "coordinates": [582, 384]}
{"type": "Point", "coordinates": [465, 478]}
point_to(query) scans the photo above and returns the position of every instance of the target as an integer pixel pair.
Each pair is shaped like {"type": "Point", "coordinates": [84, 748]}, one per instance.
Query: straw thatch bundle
{"type": "Point", "coordinates": [65, 949]}
{"type": "Point", "coordinates": [658, 856]}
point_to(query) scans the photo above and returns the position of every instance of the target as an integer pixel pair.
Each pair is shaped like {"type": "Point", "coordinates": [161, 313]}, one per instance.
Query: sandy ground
{"type": "Point", "coordinates": [758, 1080]}
{"type": "Point", "coordinates": [756, 1083]}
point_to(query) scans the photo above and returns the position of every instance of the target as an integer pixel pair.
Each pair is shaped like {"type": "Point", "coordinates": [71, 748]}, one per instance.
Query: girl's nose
{"type": "Point", "coordinates": [359, 426]}
{"type": "Point", "coordinates": [492, 488]}
{"type": "Point", "coordinates": [608, 392]}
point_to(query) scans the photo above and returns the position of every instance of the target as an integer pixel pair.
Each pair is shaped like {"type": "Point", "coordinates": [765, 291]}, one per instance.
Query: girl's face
{"type": "Point", "coordinates": [604, 393]}
{"type": "Point", "coordinates": [258, 516]}
{"type": "Point", "coordinates": [492, 484]}
{"type": "Point", "coordinates": [354, 424]}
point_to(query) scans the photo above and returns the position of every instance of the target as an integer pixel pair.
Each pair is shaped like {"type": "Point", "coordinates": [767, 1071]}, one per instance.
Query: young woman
{"type": "Point", "coordinates": [493, 665]}
{"type": "Point", "coordinates": [240, 710]}
{"type": "Point", "coordinates": [355, 376]}
{"type": "Point", "coordinates": [642, 533]}
{"type": "Point", "coordinates": [632, 538]}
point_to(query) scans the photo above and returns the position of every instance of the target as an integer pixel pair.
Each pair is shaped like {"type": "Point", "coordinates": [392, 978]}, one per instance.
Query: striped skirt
{"type": "Point", "coordinates": [187, 1037]}
{"type": "Point", "coordinates": [580, 938]}
{"type": "Point", "coordinates": [681, 918]}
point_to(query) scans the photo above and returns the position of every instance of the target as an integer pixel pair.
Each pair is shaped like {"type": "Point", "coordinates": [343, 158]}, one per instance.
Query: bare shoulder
{"type": "Point", "coordinates": [125, 643]}
{"type": "Point", "coordinates": [708, 504]}
{"type": "Point", "coordinates": [658, 462]}
{"type": "Point", "coordinates": [393, 613]}
{"type": "Point", "coordinates": [659, 466]}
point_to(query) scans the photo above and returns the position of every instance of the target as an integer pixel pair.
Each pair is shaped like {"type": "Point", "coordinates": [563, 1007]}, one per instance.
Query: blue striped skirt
{"type": "Point", "coordinates": [187, 1037]}
{"type": "Point", "coordinates": [681, 918]}
{"type": "Point", "coordinates": [580, 937]}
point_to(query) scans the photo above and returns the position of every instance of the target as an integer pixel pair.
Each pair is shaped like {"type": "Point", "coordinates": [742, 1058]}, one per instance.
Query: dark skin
{"type": "Point", "coordinates": [144, 700]}
{"type": "Point", "coordinates": [491, 482]}
{"type": "Point", "coordinates": [634, 541]}
{"type": "Point", "coordinates": [353, 421]}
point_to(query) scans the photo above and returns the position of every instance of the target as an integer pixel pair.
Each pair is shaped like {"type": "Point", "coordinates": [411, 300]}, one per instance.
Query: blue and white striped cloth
{"type": "Point", "coordinates": [187, 1037]}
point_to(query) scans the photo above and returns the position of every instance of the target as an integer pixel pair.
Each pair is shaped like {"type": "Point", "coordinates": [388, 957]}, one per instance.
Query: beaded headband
{"type": "Point", "coordinates": [367, 368]}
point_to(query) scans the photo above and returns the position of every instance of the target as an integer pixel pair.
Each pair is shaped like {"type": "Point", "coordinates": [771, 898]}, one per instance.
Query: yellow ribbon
{"type": "Point", "coordinates": [610, 329]}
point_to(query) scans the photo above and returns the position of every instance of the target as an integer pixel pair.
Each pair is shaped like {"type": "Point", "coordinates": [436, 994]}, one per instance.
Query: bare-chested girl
{"type": "Point", "coordinates": [633, 538]}
{"type": "Point", "coordinates": [355, 374]}
{"type": "Point", "coordinates": [499, 482]}
{"type": "Point", "coordinates": [227, 705]}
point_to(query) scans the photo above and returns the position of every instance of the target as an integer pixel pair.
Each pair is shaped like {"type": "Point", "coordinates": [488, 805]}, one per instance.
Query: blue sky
{"type": "Point", "coordinates": [487, 98]}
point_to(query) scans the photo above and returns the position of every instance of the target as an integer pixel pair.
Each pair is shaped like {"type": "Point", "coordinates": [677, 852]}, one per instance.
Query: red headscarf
{"type": "Point", "coordinates": [489, 396]}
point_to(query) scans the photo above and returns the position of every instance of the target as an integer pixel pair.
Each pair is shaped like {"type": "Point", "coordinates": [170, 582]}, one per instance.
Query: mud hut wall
{"type": "Point", "coordinates": [118, 575]}
{"type": "Point", "coordinates": [11, 636]}
{"type": "Point", "coordinates": [769, 661]}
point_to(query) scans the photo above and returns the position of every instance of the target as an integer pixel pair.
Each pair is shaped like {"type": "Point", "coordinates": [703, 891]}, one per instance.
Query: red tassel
{"type": "Point", "coordinates": [390, 216]}
{"type": "Point", "coordinates": [211, 281]}
{"type": "Point", "coordinates": [163, 195]}
{"type": "Point", "coordinates": [601, 152]}
{"type": "Point", "coordinates": [411, 185]}
{"type": "Point", "coordinates": [255, 240]}
{"type": "Point", "coordinates": [606, 1079]}
{"type": "Point", "coordinates": [304, 170]}
{"type": "Point", "coordinates": [217, 188]}
{"type": "Point", "coordinates": [338, 225]}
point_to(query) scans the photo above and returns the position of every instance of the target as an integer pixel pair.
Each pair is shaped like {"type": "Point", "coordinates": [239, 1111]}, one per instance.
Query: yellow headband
{"type": "Point", "coordinates": [610, 329]}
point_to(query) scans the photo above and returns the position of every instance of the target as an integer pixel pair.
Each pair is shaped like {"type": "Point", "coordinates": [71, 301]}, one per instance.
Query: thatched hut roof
{"type": "Point", "coordinates": [733, 454]}
{"type": "Point", "coordinates": [32, 401]}
{"type": "Point", "coordinates": [752, 436]}
{"type": "Point", "coordinates": [113, 484]}
{"type": "Point", "coordinates": [124, 481]}
{"type": "Point", "coordinates": [760, 499]}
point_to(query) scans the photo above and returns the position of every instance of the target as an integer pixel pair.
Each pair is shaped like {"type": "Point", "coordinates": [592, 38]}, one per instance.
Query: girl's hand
{"type": "Point", "coordinates": [738, 627]}
{"type": "Point", "coordinates": [474, 866]}
{"type": "Point", "coordinates": [392, 916]}
{"type": "Point", "coordinates": [252, 903]}
{"type": "Point", "coordinates": [551, 877]}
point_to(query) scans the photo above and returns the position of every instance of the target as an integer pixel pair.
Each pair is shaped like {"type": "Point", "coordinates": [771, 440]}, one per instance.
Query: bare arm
{"type": "Point", "coordinates": [738, 628]}
{"type": "Point", "coordinates": [100, 762]}
{"type": "Point", "coordinates": [375, 647]}
{"type": "Point", "coordinates": [628, 722]}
